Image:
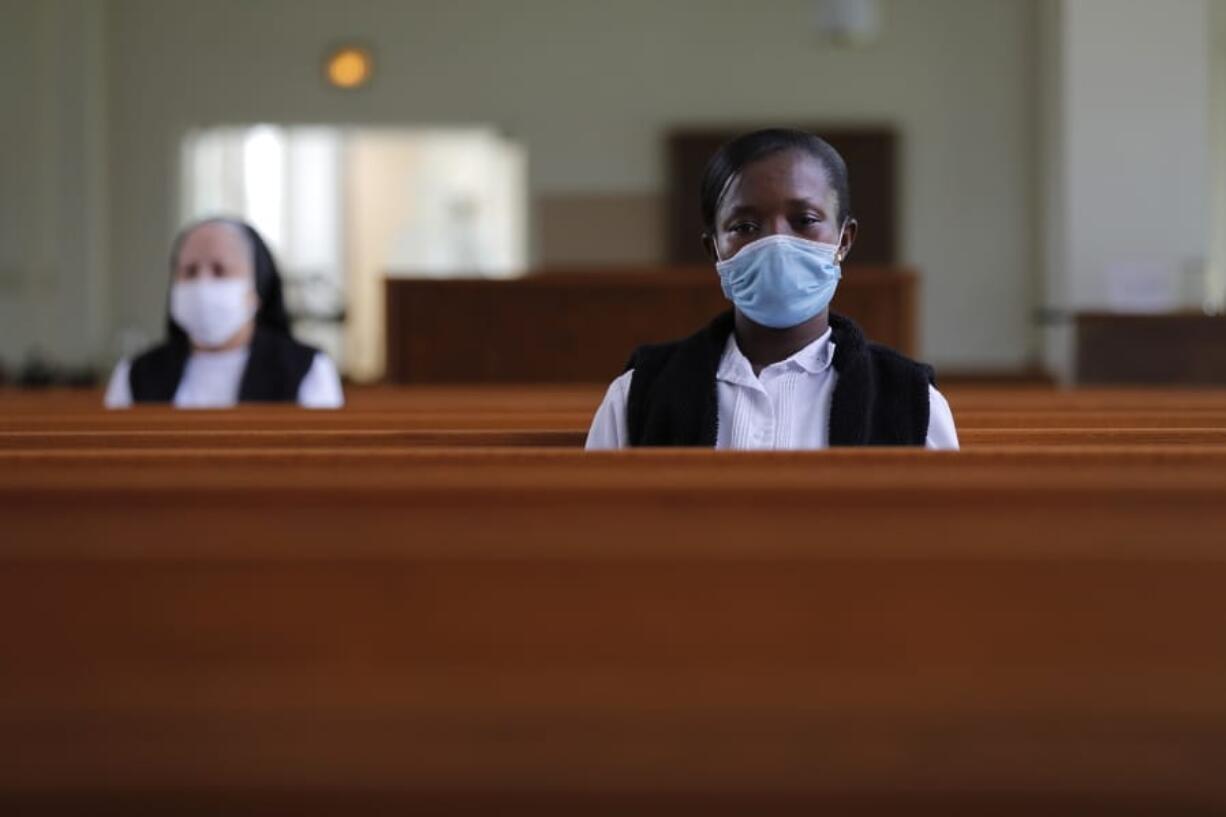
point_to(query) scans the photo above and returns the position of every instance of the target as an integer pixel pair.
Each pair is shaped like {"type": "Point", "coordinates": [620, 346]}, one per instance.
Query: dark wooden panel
{"type": "Point", "coordinates": [1183, 348]}
{"type": "Point", "coordinates": [280, 802]}
{"type": "Point", "coordinates": [357, 437]}
{"type": "Point", "coordinates": [871, 156]}
{"type": "Point", "coordinates": [74, 410]}
{"type": "Point", "coordinates": [560, 633]}
{"type": "Point", "coordinates": [582, 327]}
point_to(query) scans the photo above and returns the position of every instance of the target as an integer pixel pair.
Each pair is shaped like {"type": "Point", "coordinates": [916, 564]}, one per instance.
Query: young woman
{"type": "Point", "coordinates": [779, 371]}
{"type": "Point", "coordinates": [228, 336]}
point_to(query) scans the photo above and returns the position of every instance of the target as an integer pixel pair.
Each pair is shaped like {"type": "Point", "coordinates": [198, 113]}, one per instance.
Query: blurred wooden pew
{"type": "Point", "coordinates": [548, 631]}
{"type": "Point", "coordinates": [431, 602]}
{"type": "Point", "coordinates": [559, 416]}
{"type": "Point", "coordinates": [359, 438]}
{"type": "Point", "coordinates": [356, 437]}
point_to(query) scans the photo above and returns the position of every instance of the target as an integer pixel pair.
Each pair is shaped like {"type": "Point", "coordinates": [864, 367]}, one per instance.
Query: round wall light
{"type": "Point", "coordinates": [349, 67]}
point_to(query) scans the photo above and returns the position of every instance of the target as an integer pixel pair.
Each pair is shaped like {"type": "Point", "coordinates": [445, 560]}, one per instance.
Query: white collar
{"type": "Point", "coordinates": [734, 367]}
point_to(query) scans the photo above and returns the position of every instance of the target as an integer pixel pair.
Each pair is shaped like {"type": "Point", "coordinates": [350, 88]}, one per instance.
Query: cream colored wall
{"type": "Point", "coordinates": [1125, 158]}
{"type": "Point", "coordinates": [54, 290]}
{"type": "Point", "coordinates": [590, 88]}
{"type": "Point", "coordinates": [96, 94]}
{"type": "Point", "coordinates": [1135, 112]}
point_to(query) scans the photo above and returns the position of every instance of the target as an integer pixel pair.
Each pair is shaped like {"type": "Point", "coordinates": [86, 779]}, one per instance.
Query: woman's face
{"type": "Point", "coordinates": [215, 250]}
{"type": "Point", "coordinates": [787, 193]}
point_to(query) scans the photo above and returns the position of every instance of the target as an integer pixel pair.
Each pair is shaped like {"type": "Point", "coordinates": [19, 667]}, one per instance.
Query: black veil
{"type": "Point", "coordinates": [272, 315]}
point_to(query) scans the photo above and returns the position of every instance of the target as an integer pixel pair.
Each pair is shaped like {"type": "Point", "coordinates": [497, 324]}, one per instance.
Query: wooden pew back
{"type": "Point", "coordinates": [268, 611]}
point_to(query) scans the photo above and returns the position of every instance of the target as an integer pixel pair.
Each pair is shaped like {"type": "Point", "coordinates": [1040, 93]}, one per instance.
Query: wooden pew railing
{"type": "Point", "coordinates": [874, 631]}
{"type": "Point", "coordinates": [376, 439]}
{"type": "Point", "coordinates": [269, 611]}
{"type": "Point", "coordinates": [558, 417]}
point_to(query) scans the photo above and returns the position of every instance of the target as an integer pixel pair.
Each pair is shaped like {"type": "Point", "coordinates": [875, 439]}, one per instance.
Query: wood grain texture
{"type": "Point", "coordinates": [580, 327]}
{"type": "Point", "coordinates": [269, 611]}
{"type": "Point", "coordinates": [1180, 349]}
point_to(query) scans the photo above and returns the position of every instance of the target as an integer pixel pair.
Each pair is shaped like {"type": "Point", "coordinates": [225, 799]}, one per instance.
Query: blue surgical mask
{"type": "Point", "coordinates": [781, 281]}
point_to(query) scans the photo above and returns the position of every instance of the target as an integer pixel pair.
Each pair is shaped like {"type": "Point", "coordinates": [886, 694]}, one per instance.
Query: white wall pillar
{"type": "Point", "coordinates": [1125, 158]}
{"type": "Point", "coordinates": [1216, 300]}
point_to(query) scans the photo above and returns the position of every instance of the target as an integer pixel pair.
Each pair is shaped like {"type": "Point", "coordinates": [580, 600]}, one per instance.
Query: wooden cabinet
{"type": "Point", "coordinates": [1187, 348]}
{"type": "Point", "coordinates": [557, 327]}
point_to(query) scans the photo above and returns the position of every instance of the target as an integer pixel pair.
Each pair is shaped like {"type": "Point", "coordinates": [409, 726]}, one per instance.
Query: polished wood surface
{"type": "Point", "coordinates": [1180, 349]}
{"type": "Point", "coordinates": [575, 327]}
{"type": "Point", "coordinates": [445, 410]}
{"type": "Point", "coordinates": [271, 611]}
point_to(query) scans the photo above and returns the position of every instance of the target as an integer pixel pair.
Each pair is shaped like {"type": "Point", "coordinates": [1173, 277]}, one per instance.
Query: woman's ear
{"type": "Point", "coordinates": [708, 246]}
{"type": "Point", "coordinates": [847, 238]}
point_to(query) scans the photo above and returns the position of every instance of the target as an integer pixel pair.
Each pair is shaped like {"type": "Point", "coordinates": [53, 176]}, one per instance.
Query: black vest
{"type": "Point", "coordinates": [275, 369]}
{"type": "Point", "coordinates": [881, 397]}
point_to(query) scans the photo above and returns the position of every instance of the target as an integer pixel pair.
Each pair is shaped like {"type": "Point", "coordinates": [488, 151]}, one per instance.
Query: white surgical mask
{"type": "Point", "coordinates": [212, 311]}
{"type": "Point", "coordinates": [781, 280]}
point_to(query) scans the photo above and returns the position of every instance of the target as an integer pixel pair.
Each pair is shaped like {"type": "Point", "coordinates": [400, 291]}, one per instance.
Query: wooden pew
{"type": "Point", "coordinates": [362, 438]}
{"type": "Point", "coordinates": [574, 425]}
{"type": "Point", "coordinates": [585, 397]}
{"type": "Point", "coordinates": [544, 631]}
{"type": "Point", "coordinates": [354, 438]}
{"type": "Point", "coordinates": [1104, 435]}
{"type": "Point", "coordinates": [576, 404]}
{"type": "Point", "coordinates": [221, 532]}
{"type": "Point", "coordinates": [559, 416]}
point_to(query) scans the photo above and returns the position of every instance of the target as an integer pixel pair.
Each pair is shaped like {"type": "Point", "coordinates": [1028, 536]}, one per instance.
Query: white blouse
{"type": "Point", "coordinates": [212, 380]}
{"type": "Point", "coordinates": [786, 407]}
